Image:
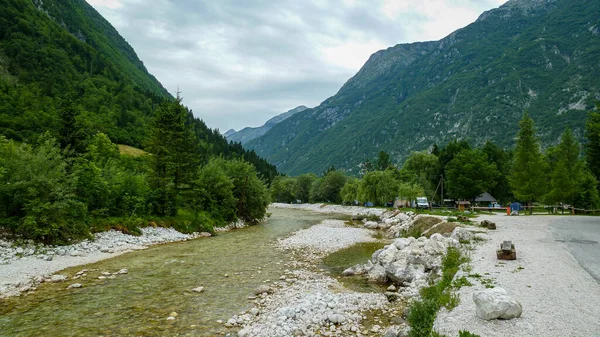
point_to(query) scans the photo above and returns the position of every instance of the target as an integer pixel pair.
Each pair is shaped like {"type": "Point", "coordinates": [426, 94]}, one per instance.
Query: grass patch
{"type": "Point", "coordinates": [131, 151]}
{"type": "Point", "coordinates": [422, 313]}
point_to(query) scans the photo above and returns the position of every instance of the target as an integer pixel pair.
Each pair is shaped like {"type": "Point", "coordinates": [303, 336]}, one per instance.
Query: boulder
{"type": "Point", "coordinates": [377, 274]}
{"type": "Point", "coordinates": [57, 278]}
{"type": "Point", "coordinates": [403, 274]}
{"type": "Point", "coordinates": [495, 303]}
{"type": "Point", "coordinates": [388, 256]}
{"type": "Point", "coordinates": [371, 225]}
{"type": "Point", "coordinates": [263, 289]}
{"type": "Point", "coordinates": [403, 242]}
{"type": "Point", "coordinates": [461, 234]}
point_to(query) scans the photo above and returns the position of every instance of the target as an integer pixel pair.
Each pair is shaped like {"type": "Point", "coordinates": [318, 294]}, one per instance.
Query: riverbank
{"type": "Point", "coordinates": [334, 209]}
{"type": "Point", "coordinates": [23, 267]}
{"type": "Point", "coordinates": [558, 296]}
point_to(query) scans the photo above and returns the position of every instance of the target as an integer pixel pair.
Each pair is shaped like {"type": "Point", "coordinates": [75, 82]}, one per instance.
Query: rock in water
{"type": "Point", "coordinates": [75, 285]}
{"type": "Point", "coordinates": [495, 303]}
{"type": "Point", "coordinates": [198, 290]}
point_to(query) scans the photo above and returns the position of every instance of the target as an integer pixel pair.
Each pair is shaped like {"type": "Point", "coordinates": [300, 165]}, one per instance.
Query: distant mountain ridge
{"type": "Point", "coordinates": [247, 134]}
{"type": "Point", "coordinates": [474, 84]}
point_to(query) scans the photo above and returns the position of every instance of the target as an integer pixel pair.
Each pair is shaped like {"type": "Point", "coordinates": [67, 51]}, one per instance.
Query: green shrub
{"type": "Point", "coordinates": [467, 334]}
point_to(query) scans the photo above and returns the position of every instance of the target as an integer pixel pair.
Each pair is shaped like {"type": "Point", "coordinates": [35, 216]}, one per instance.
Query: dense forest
{"type": "Point", "coordinates": [561, 175]}
{"type": "Point", "coordinates": [71, 89]}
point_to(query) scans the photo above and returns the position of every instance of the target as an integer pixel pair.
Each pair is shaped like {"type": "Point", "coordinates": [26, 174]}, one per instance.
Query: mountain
{"type": "Point", "coordinates": [229, 133]}
{"type": "Point", "coordinates": [247, 134]}
{"type": "Point", "coordinates": [62, 54]}
{"type": "Point", "coordinates": [535, 55]}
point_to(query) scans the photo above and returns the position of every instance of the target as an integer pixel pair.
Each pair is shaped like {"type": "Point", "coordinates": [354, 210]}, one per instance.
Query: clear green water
{"type": "Point", "coordinates": [159, 282]}
{"type": "Point", "coordinates": [338, 261]}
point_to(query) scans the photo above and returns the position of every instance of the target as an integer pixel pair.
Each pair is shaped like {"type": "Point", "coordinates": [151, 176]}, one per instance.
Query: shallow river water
{"type": "Point", "coordinates": [159, 282]}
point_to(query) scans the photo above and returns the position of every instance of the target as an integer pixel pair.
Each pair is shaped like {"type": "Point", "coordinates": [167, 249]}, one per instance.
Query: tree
{"type": "Point", "coordinates": [502, 159]}
{"type": "Point", "coordinates": [592, 147]}
{"type": "Point", "coordinates": [251, 194]}
{"type": "Point", "coordinates": [302, 186]}
{"type": "Point", "coordinates": [378, 187]}
{"type": "Point", "coordinates": [175, 155]}
{"type": "Point", "coordinates": [327, 189]}
{"type": "Point", "coordinates": [383, 161]}
{"type": "Point", "coordinates": [469, 174]}
{"type": "Point", "coordinates": [527, 178]}
{"type": "Point", "coordinates": [410, 191]}
{"type": "Point", "coordinates": [282, 189]}
{"type": "Point", "coordinates": [71, 135]}
{"type": "Point", "coordinates": [421, 168]}
{"type": "Point", "coordinates": [37, 194]}
{"type": "Point", "coordinates": [349, 192]}
{"type": "Point", "coordinates": [212, 193]}
{"type": "Point", "coordinates": [567, 170]}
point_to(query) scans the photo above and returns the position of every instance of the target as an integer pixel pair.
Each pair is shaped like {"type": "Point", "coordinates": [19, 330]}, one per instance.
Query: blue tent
{"type": "Point", "coordinates": [515, 206]}
{"type": "Point", "coordinates": [369, 204]}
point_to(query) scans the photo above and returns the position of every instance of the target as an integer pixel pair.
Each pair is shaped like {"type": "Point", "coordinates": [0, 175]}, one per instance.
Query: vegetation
{"type": "Point", "coordinates": [422, 313]}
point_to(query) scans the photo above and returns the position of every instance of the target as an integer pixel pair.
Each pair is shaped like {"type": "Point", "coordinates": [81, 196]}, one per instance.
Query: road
{"type": "Point", "coordinates": [581, 235]}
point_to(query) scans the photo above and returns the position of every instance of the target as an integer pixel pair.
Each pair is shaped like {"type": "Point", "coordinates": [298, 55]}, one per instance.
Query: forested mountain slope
{"type": "Point", "coordinates": [536, 55]}
{"type": "Point", "coordinates": [62, 54]}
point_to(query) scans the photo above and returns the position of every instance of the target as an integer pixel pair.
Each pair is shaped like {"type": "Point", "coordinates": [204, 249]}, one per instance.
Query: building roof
{"type": "Point", "coordinates": [485, 197]}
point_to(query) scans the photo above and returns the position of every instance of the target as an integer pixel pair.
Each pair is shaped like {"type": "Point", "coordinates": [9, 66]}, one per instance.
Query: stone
{"type": "Point", "coordinates": [488, 224]}
{"type": "Point", "coordinates": [198, 290]}
{"type": "Point", "coordinates": [76, 253]}
{"type": "Point", "coordinates": [170, 318]}
{"type": "Point", "coordinates": [263, 289]}
{"type": "Point", "coordinates": [377, 274]}
{"type": "Point", "coordinates": [122, 271]}
{"type": "Point", "coordinates": [402, 243]}
{"type": "Point", "coordinates": [495, 303]}
{"type": "Point", "coordinates": [392, 288]}
{"type": "Point", "coordinates": [57, 278]}
{"type": "Point", "coordinates": [75, 285]}
{"type": "Point", "coordinates": [391, 333]}
{"type": "Point", "coordinates": [243, 333]}
{"type": "Point", "coordinates": [507, 251]}
{"type": "Point", "coordinates": [174, 314]}
{"type": "Point", "coordinates": [336, 318]}
{"type": "Point", "coordinates": [461, 234]}
{"type": "Point", "coordinates": [388, 256]}
{"type": "Point", "coordinates": [371, 225]}
{"type": "Point", "coordinates": [48, 258]}
{"type": "Point", "coordinates": [255, 311]}
{"type": "Point", "coordinates": [392, 296]}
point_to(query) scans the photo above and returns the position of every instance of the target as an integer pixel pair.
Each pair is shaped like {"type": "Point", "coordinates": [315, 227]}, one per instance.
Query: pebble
{"type": "Point", "coordinates": [198, 290]}
{"type": "Point", "coordinates": [75, 285]}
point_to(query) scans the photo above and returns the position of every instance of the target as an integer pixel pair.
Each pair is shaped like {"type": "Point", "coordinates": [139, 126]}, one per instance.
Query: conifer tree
{"type": "Point", "coordinates": [527, 178]}
{"type": "Point", "coordinates": [592, 148]}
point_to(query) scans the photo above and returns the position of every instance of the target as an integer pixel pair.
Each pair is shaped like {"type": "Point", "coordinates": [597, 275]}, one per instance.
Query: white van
{"type": "Point", "coordinates": [422, 202]}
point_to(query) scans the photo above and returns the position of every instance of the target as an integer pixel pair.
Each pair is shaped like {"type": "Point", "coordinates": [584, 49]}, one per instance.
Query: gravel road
{"type": "Point", "coordinates": [559, 297]}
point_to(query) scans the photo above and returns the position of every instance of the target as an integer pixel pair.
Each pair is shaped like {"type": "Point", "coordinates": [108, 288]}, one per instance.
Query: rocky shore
{"type": "Point", "coordinates": [309, 302]}
{"type": "Point", "coordinates": [24, 266]}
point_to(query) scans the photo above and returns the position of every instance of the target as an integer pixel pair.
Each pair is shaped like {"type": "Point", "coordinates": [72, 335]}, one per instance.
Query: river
{"type": "Point", "coordinates": [159, 281]}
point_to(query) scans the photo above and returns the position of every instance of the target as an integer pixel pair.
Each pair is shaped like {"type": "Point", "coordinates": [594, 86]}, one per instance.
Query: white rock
{"type": "Point", "coordinates": [57, 278]}
{"type": "Point", "coordinates": [198, 290]}
{"type": "Point", "coordinates": [75, 285]}
{"type": "Point", "coordinates": [461, 234]}
{"type": "Point", "coordinates": [496, 303]}
{"type": "Point", "coordinates": [377, 274]}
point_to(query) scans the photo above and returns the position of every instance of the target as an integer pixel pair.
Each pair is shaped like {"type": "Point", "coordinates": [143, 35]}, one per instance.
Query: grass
{"type": "Point", "coordinates": [131, 151]}
{"type": "Point", "coordinates": [422, 313]}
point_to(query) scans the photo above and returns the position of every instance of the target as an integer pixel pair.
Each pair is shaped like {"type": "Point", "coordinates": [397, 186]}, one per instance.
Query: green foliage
{"type": "Point", "coordinates": [466, 334]}
{"type": "Point", "coordinates": [469, 174]}
{"type": "Point", "coordinates": [592, 147]}
{"type": "Point", "coordinates": [175, 156]}
{"type": "Point", "coordinates": [327, 188]}
{"type": "Point", "coordinates": [38, 194]}
{"type": "Point", "coordinates": [567, 170]}
{"type": "Point", "coordinates": [422, 169]}
{"type": "Point", "coordinates": [349, 192]}
{"type": "Point", "coordinates": [527, 179]}
{"type": "Point", "coordinates": [282, 189]}
{"type": "Point", "coordinates": [303, 185]}
{"type": "Point", "coordinates": [383, 161]}
{"type": "Point", "coordinates": [422, 313]}
{"type": "Point", "coordinates": [408, 191]}
{"type": "Point", "coordinates": [378, 187]}
{"type": "Point", "coordinates": [251, 193]}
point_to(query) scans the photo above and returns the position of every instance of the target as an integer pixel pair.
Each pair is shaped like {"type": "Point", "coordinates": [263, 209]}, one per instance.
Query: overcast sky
{"type": "Point", "coordinates": [240, 62]}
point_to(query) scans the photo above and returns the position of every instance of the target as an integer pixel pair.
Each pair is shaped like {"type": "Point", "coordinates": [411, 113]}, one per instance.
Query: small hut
{"type": "Point", "coordinates": [485, 200]}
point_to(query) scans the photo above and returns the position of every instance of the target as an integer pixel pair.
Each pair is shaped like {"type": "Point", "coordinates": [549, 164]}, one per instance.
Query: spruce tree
{"type": "Point", "coordinates": [592, 148]}
{"type": "Point", "coordinates": [175, 155]}
{"type": "Point", "coordinates": [566, 171]}
{"type": "Point", "coordinates": [527, 178]}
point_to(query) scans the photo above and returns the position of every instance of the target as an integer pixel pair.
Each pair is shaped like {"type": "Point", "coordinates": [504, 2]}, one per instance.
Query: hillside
{"type": "Point", "coordinates": [247, 134]}
{"type": "Point", "coordinates": [61, 54]}
{"type": "Point", "coordinates": [539, 55]}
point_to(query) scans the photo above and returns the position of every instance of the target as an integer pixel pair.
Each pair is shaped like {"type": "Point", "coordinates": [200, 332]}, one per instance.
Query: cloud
{"type": "Point", "coordinates": [239, 63]}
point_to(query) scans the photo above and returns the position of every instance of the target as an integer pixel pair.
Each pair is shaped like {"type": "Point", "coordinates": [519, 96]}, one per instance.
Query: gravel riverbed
{"type": "Point", "coordinates": [558, 296]}
{"type": "Point", "coordinates": [23, 267]}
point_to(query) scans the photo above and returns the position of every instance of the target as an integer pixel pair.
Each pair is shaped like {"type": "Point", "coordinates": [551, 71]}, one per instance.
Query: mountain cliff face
{"type": "Point", "coordinates": [247, 134]}
{"type": "Point", "coordinates": [535, 55]}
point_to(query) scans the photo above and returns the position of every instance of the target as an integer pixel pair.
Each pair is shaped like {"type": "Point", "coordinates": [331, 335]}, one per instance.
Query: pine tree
{"type": "Point", "coordinates": [175, 155]}
{"type": "Point", "coordinates": [527, 178]}
{"type": "Point", "coordinates": [566, 171]}
{"type": "Point", "coordinates": [592, 148]}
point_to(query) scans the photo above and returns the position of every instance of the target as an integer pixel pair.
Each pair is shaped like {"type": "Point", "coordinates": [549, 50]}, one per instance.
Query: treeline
{"type": "Point", "coordinates": [58, 189]}
{"type": "Point", "coordinates": [561, 175]}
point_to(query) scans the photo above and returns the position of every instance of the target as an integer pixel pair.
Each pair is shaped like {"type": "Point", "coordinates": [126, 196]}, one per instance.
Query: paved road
{"type": "Point", "coordinates": [582, 236]}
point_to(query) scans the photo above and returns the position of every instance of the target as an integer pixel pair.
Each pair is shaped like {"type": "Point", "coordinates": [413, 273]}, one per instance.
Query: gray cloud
{"type": "Point", "coordinates": [238, 63]}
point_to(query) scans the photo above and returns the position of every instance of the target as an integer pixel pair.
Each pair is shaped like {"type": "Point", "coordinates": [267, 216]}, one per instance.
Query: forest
{"type": "Point", "coordinates": [565, 174]}
{"type": "Point", "coordinates": [57, 189]}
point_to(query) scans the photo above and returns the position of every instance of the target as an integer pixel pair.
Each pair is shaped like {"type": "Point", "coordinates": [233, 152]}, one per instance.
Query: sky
{"type": "Point", "coordinates": [238, 63]}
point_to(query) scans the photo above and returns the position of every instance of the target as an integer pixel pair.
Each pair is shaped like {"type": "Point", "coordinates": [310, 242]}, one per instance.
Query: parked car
{"type": "Point", "coordinates": [422, 202]}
